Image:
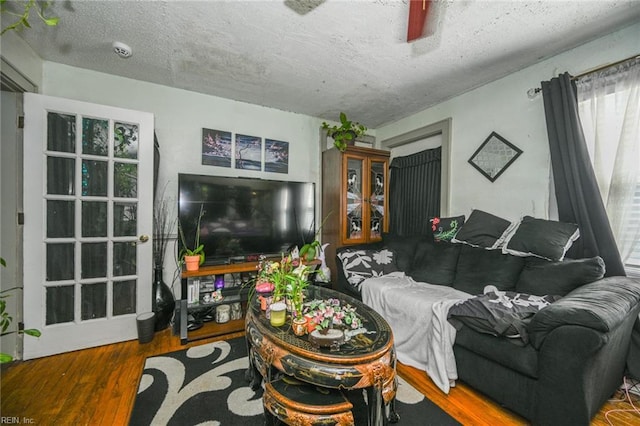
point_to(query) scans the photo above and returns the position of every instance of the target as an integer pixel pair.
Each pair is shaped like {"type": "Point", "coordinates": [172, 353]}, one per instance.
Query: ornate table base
{"type": "Point", "coordinates": [367, 361]}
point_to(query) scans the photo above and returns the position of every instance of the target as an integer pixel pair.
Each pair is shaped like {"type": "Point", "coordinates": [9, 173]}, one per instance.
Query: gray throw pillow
{"type": "Point", "coordinates": [541, 277]}
{"type": "Point", "coordinates": [542, 238]}
{"type": "Point", "coordinates": [483, 229]}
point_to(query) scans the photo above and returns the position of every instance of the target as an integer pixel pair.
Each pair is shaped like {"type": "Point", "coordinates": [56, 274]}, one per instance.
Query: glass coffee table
{"type": "Point", "coordinates": [365, 360]}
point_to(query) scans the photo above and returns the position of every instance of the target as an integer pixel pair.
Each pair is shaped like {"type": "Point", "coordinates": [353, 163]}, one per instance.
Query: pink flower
{"type": "Point", "coordinates": [328, 312]}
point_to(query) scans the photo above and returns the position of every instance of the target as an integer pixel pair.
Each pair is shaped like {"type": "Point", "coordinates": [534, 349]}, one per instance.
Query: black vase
{"type": "Point", "coordinates": [162, 303]}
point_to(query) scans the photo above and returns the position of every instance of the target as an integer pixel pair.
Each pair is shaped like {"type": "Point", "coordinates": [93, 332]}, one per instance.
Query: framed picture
{"type": "Point", "coordinates": [276, 156]}
{"type": "Point", "coordinates": [216, 148]}
{"type": "Point", "coordinates": [248, 152]}
{"type": "Point", "coordinates": [494, 156]}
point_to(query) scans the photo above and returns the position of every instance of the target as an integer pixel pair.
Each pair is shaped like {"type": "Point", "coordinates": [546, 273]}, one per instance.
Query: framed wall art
{"type": "Point", "coordinates": [248, 152]}
{"type": "Point", "coordinates": [216, 148]}
{"type": "Point", "coordinates": [276, 156]}
{"type": "Point", "coordinates": [494, 156]}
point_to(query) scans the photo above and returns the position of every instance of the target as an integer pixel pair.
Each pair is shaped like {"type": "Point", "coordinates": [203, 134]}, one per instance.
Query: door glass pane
{"type": "Point", "coordinates": [61, 132]}
{"type": "Point", "coordinates": [94, 219]}
{"type": "Point", "coordinates": [124, 297]}
{"type": "Point", "coordinates": [125, 223]}
{"type": "Point", "coordinates": [124, 259]}
{"type": "Point", "coordinates": [59, 304]}
{"type": "Point", "coordinates": [94, 260]}
{"type": "Point", "coordinates": [95, 136]}
{"type": "Point", "coordinates": [125, 180]}
{"type": "Point", "coordinates": [60, 261]}
{"type": "Point", "coordinates": [354, 198]}
{"type": "Point", "coordinates": [94, 301]}
{"type": "Point", "coordinates": [94, 178]}
{"type": "Point", "coordinates": [126, 140]}
{"type": "Point", "coordinates": [60, 219]}
{"type": "Point", "coordinates": [377, 199]}
{"type": "Point", "coordinates": [61, 174]}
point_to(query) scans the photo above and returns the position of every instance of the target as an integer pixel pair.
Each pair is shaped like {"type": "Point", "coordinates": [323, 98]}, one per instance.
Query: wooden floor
{"type": "Point", "coordinates": [98, 386]}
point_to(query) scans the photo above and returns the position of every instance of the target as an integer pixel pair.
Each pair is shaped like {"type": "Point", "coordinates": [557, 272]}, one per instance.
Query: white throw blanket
{"type": "Point", "coordinates": [417, 314]}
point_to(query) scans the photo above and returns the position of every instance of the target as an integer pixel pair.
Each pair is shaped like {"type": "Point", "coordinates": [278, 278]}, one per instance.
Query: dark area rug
{"type": "Point", "coordinates": [205, 385]}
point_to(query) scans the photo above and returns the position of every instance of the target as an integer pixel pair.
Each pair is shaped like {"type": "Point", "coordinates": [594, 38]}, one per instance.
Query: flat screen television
{"type": "Point", "coordinates": [246, 217]}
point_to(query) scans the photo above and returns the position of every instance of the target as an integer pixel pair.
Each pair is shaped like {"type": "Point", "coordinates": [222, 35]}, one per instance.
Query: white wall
{"type": "Point", "coordinates": [181, 115]}
{"type": "Point", "coordinates": [503, 106]}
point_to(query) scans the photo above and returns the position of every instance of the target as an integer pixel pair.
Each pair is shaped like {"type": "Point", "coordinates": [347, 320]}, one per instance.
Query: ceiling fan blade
{"type": "Point", "coordinates": [418, 10]}
{"type": "Point", "coordinates": [302, 7]}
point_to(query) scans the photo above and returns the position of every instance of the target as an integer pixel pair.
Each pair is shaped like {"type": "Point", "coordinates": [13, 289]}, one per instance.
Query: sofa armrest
{"type": "Point", "coordinates": [601, 306]}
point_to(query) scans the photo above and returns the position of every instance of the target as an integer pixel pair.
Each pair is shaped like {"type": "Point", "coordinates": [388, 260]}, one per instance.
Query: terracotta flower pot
{"type": "Point", "coordinates": [192, 263]}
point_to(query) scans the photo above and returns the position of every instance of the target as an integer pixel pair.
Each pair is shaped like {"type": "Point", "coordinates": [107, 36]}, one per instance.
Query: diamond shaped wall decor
{"type": "Point", "coordinates": [494, 156]}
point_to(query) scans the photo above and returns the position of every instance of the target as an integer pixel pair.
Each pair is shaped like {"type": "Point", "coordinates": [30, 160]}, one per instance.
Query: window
{"type": "Point", "coordinates": [609, 109]}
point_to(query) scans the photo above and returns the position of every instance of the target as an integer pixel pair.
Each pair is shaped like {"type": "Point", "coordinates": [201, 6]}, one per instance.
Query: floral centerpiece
{"type": "Point", "coordinates": [330, 313]}
{"type": "Point", "coordinates": [286, 278]}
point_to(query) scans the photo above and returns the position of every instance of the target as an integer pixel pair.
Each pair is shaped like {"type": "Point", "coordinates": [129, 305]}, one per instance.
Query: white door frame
{"type": "Point", "coordinates": [64, 337]}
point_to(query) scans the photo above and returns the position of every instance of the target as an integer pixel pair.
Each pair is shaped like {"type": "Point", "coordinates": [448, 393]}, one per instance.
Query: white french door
{"type": "Point", "coordinates": [88, 185]}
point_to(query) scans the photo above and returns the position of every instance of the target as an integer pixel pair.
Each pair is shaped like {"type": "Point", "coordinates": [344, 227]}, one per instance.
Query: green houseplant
{"type": "Point", "coordinates": [6, 320]}
{"type": "Point", "coordinates": [345, 133]}
{"type": "Point", "coordinates": [192, 258]}
{"type": "Point", "coordinates": [288, 279]}
{"type": "Point", "coordinates": [22, 13]}
{"type": "Point", "coordinates": [309, 251]}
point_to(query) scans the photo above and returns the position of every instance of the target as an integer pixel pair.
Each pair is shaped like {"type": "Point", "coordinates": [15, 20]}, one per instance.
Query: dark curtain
{"type": "Point", "coordinates": [414, 191]}
{"type": "Point", "coordinates": [576, 189]}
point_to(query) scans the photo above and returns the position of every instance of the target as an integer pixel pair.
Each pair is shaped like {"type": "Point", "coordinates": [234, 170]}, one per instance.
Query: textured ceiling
{"type": "Point", "coordinates": [342, 55]}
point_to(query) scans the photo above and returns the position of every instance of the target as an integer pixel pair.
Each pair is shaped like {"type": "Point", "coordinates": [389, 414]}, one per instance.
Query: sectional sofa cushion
{"type": "Point", "coordinates": [478, 268]}
{"type": "Point", "coordinates": [403, 247]}
{"type": "Point", "coordinates": [483, 229]}
{"type": "Point", "coordinates": [542, 277]}
{"type": "Point", "coordinates": [435, 262]}
{"type": "Point", "coordinates": [542, 238]}
{"type": "Point", "coordinates": [445, 228]}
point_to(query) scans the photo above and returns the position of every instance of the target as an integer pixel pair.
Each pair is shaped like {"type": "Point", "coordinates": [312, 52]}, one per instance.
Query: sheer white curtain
{"type": "Point", "coordinates": [609, 109]}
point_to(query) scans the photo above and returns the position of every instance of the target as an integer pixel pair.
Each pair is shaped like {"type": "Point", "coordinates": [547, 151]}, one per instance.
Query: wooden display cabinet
{"type": "Point", "coordinates": [355, 189]}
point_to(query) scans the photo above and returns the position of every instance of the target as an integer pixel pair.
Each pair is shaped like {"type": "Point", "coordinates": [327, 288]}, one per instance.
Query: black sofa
{"type": "Point", "coordinates": [578, 346]}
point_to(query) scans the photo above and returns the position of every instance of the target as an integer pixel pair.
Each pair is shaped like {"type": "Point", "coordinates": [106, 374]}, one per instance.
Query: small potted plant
{"type": "Point", "coordinates": [310, 251]}
{"type": "Point", "coordinates": [297, 281]}
{"type": "Point", "coordinates": [192, 257]}
{"type": "Point", "coordinates": [285, 280]}
{"type": "Point", "coordinates": [346, 133]}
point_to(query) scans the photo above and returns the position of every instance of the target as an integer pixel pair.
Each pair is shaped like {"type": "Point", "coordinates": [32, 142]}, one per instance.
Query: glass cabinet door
{"type": "Point", "coordinates": [377, 184]}
{"type": "Point", "coordinates": [354, 202]}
